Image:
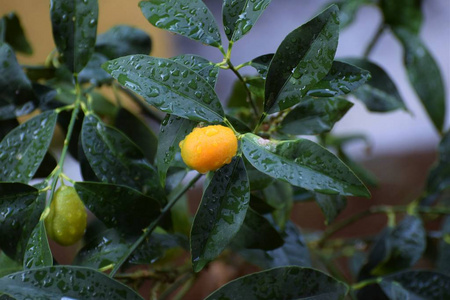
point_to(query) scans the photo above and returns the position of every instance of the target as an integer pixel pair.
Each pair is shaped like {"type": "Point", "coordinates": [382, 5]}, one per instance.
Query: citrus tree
{"type": "Point", "coordinates": [252, 154]}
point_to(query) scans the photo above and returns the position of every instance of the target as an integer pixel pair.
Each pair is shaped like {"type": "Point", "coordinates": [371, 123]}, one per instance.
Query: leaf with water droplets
{"type": "Point", "coordinates": [203, 67]}
{"type": "Point", "coordinates": [169, 86]}
{"type": "Point", "coordinates": [443, 257]}
{"type": "Point", "coordinates": [221, 213]}
{"type": "Point", "coordinates": [304, 57]}
{"type": "Point", "coordinates": [348, 10]}
{"type": "Point", "coordinates": [302, 163]}
{"type": "Point", "coordinates": [7, 265]}
{"type": "Point", "coordinates": [424, 76]}
{"type": "Point", "coordinates": [74, 24]}
{"type": "Point", "coordinates": [11, 32]}
{"type": "Point", "coordinates": [403, 13]}
{"type": "Point", "coordinates": [70, 281]}
{"type": "Point", "coordinates": [331, 205]}
{"type": "Point", "coordinates": [262, 63]}
{"type": "Point", "coordinates": [118, 206]}
{"type": "Point", "coordinates": [315, 115]}
{"type": "Point", "coordinates": [173, 130]}
{"type": "Point", "coordinates": [239, 16]}
{"type": "Point", "coordinates": [38, 252]}
{"type": "Point", "coordinates": [282, 283]}
{"type": "Point", "coordinates": [93, 72]}
{"type": "Point", "coordinates": [189, 18]}
{"type": "Point", "coordinates": [24, 148]}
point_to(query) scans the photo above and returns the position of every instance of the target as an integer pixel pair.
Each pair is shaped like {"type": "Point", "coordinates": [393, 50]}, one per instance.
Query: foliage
{"type": "Point", "coordinates": [134, 181]}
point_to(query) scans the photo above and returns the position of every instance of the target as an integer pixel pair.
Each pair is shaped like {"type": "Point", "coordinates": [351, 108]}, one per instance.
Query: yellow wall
{"type": "Point", "coordinates": [35, 18]}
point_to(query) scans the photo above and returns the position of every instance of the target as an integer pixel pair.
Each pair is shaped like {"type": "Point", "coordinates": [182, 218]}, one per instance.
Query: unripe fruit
{"type": "Point", "coordinates": [209, 148]}
{"type": "Point", "coordinates": [66, 222]}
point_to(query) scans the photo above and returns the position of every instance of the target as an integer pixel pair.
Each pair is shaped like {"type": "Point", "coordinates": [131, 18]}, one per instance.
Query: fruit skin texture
{"type": "Point", "coordinates": [209, 148]}
{"type": "Point", "coordinates": [66, 222]}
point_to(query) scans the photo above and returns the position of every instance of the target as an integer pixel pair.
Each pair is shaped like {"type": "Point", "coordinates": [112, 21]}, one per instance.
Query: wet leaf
{"type": "Point", "coordinates": [257, 179]}
{"type": "Point", "coordinates": [304, 57]}
{"type": "Point", "coordinates": [93, 72]}
{"type": "Point", "coordinates": [331, 205]}
{"type": "Point", "coordinates": [220, 214]}
{"type": "Point", "coordinates": [169, 86]}
{"type": "Point", "coordinates": [7, 265]}
{"type": "Point", "coordinates": [348, 10]}
{"type": "Point", "coordinates": [302, 163]}
{"type": "Point", "coordinates": [74, 25]}
{"type": "Point", "coordinates": [38, 252]}
{"type": "Point", "coordinates": [403, 13]}
{"type": "Point", "coordinates": [279, 196]}
{"type": "Point", "coordinates": [439, 176]}
{"type": "Point", "coordinates": [315, 115]}
{"type": "Point", "coordinates": [262, 63]}
{"type": "Point", "coordinates": [443, 257]}
{"type": "Point", "coordinates": [240, 16]}
{"type": "Point", "coordinates": [189, 18]}
{"type": "Point", "coordinates": [203, 67]}
{"type": "Point", "coordinates": [282, 283]}
{"type": "Point", "coordinates": [34, 137]}
{"type": "Point", "coordinates": [156, 247]}
{"type": "Point", "coordinates": [11, 32]}
{"type": "Point", "coordinates": [73, 282]}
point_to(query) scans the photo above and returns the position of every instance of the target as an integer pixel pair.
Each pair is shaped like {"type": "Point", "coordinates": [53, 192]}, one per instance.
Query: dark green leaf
{"type": "Point", "coordinates": [304, 57]}
{"type": "Point", "coordinates": [93, 72]}
{"type": "Point", "coordinates": [189, 18]}
{"type": "Point", "coordinates": [418, 284]}
{"type": "Point", "coordinates": [11, 32]}
{"type": "Point", "coordinates": [44, 93]}
{"type": "Point", "coordinates": [279, 196]}
{"type": "Point", "coordinates": [240, 16]}
{"type": "Point", "coordinates": [302, 195]}
{"type": "Point", "coordinates": [117, 160]}
{"type": "Point", "coordinates": [156, 247]}
{"type": "Point", "coordinates": [302, 163]}
{"type": "Point", "coordinates": [118, 206]}
{"type": "Point", "coordinates": [331, 205]}
{"type": "Point", "coordinates": [47, 165]}
{"type": "Point", "coordinates": [221, 213]}
{"type": "Point", "coordinates": [171, 87]}
{"type": "Point", "coordinates": [261, 64]}
{"type": "Point", "coordinates": [8, 266]}
{"type": "Point", "coordinates": [73, 282]}
{"type": "Point", "coordinates": [203, 67]}
{"type": "Point", "coordinates": [364, 174]}
{"type": "Point", "coordinates": [315, 115]}
{"type": "Point", "coordinates": [403, 13]}
{"type": "Point", "coordinates": [443, 258]}
{"type": "Point", "coordinates": [424, 75]}
{"type": "Point", "coordinates": [348, 10]}
{"type": "Point", "coordinates": [122, 40]}
{"type": "Point", "coordinates": [38, 252]}
{"type": "Point", "coordinates": [23, 149]}
{"type": "Point", "coordinates": [173, 130]}
{"type": "Point", "coordinates": [380, 93]}
{"type": "Point", "coordinates": [16, 93]}
{"type": "Point", "coordinates": [103, 106]}
{"type": "Point", "coordinates": [439, 176]}
{"type": "Point", "coordinates": [282, 283]}
{"type": "Point", "coordinates": [74, 25]}
{"type": "Point", "coordinates": [37, 72]}
{"type": "Point", "coordinates": [342, 79]}
{"type": "Point", "coordinates": [257, 179]}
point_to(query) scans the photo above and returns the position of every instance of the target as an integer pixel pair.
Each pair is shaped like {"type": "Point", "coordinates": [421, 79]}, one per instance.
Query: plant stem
{"type": "Point", "coordinates": [374, 40]}
{"type": "Point", "coordinates": [361, 284]}
{"type": "Point", "coordinates": [181, 281]}
{"type": "Point", "coordinates": [261, 120]}
{"type": "Point", "coordinates": [152, 226]}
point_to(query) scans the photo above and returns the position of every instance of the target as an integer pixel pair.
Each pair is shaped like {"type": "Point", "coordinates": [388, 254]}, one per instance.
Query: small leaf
{"type": "Point", "coordinates": [304, 57]}
{"type": "Point", "coordinates": [403, 13]}
{"type": "Point", "coordinates": [122, 40]}
{"type": "Point", "coordinates": [169, 86]}
{"type": "Point", "coordinates": [11, 32]}
{"type": "Point", "coordinates": [282, 283]}
{"type": "Point", "coordinates": [220, 214]}
{"type": "Point", "coordinates": [73, 282]}
{"type": "Point", "coordinates": [38, 252]}
{"type": "Point", "coordinates": [331, 205]}
{"type": "Point", "coordinates": [302, 163]}
{"type": "Point", "coordinates": [262, 63]}
{"type": "Point", "coordinates": [118, 206]}
{"type": "Point", "coordinates": [189, 18]}
{"type": "Point", "coordinates": [93, 72]}
{"type": "Point", "coordinates": [74, 25]}
{"type": "Point", "coordinates": [424, 75]}
{"type": "Point", "coordinates": [24, 148]}
{"type": "Point", "coordinates": [439, 176]}
{"type": "Point", "coordinates": [203, 67]}
{"type": "Point", "coordinates": [240, 16]}
{"type": "Point", "coordinates": [315, 115]}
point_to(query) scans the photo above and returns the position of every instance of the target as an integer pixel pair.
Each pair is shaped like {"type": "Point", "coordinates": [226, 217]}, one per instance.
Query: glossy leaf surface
{"type": "Point", "coordinates": [189, 18]}
{"type": "Point", "coordinates": [304, 57]}
{"type": "Point", "coordinates": [11, 32]}
{"type": "Point", "coordinates": [282, 283]}
{"type": "Point", "coordinates": [7, 265]}
{"type": "Point", "coordinates": [302, 163]}
{"type": "Point", "coordinates": [262, 63]}
{"type": "Point", "coordinates": [171, 87]}
{"type": "Point", "coordinates": [38, 253]}
{"type": "Point", "coordinates": [221, 213]}
{"type": "Point", "coordinates": [203, 67]}
{"type": "Point", "coordinates": [331, 205]}
{"type": "Point", "coordinates": [93, 72]}
{"type": "Point", "coordinates": [348, 10]}
{"type": "Point", "coordinates": [443, 258]}
{"type": "Point", "coordinates": [403, 13]}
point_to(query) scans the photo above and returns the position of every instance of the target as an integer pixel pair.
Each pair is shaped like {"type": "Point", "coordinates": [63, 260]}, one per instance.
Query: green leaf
{"type": "Point", "coordinates": [46, 167]}
{"type": "Point", "coordinates": [279, 196]}
{"type": "Point", "coordinates": [342, 79]}
{"type": "Point", "coordinates": [262, 63]}
{"type": "Point", "coordinates": [348, 10]}
{"type": "Point", "coordinates": [38, 252]}
{"type": "Point", "coordinates": [282, 283]}
{"type": "Point", "coordinates": [331, 205]}
{"type": "Point", "coordinates": [419, 284]}
{"type": "Point", "coordinates": [118, 206]}
{"type": "Point", "coordinates": [73, 282]}
{"type": "Point", "coordinates": [439, 176]}
{"type": "Point", "coordinates": [7, 265]}
{"type": "Point", "coordinates": [304, 57]}
{"type": "Point", "coordinates": [122, 40]}
{"type": "Point", "coordinates": [240, 16]}
{"type": "Point", "coordinates": [203, 67]}
{"type": "Point", "coordinates": [11, 32]}
{"type": "Point", "coordinates": [257, 179]}
{"type": "Point", "coordinates": [169, 86]}
{"type": "Point", "coordinates": [443, 258]}
{"type": "Point", "coordinates": [424, 75]}
{"type": "Point", "coordinates": [315, 115]}
{"type": "Point", "coordinates": [93, 72]}
{"type": "Point", "coordinates": [156, 246]}
{"type": "Point", "coordinates": [189, 18]}
{"type": "Point", "coordinates": [74, 25]}
{"type": "Point", "coordinates": [380, 93]}
{"type": "Point", "coordinates": [16, 93]}
{"type": "Point", "coordinates": [220, 214]}
{"type": "Point", "coordinates": [403, 13]}
{"type": "Point", "coordinates": [173, 130]}
{"type": "Point", "coordinates": [23, 149]}
{"type": "Point", "coordinates": [302, 163]}
{"type": "Point", "coordinates": [364, 174]}
{"type": "Point", "coordinates": [117, 160]}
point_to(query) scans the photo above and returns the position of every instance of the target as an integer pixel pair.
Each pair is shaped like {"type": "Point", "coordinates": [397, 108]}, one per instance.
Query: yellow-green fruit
{"type": "Point", "coordinates": [209, 148]}
{"type": "Point", "coordinates": [66, 222]}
